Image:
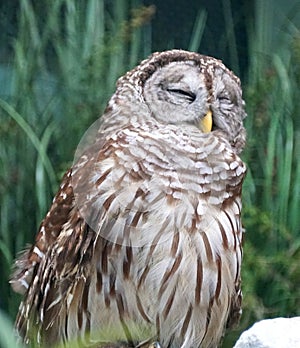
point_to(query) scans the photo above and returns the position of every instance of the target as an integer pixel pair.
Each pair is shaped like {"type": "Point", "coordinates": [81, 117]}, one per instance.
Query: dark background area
{"type": "Point", "coordinates": [173, 23]}
{"type": "Point", "coordinates": [171, 26]}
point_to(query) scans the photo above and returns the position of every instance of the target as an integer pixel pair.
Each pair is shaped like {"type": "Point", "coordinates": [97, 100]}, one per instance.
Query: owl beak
{"type": "Point", "coordinates": [206, 122]}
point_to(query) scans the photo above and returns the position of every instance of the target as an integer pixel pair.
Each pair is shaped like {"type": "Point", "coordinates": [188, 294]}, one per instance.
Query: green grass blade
{"type": "Point", "coordinates": [198, 30]}
{"type": "Point", "coordinates": [40, 179]}
{"type": "Point", "coordinates": [34, 140]}
{"type": "Point", "coordinates": [230, 36]}
{"type": "Point", "coordinates": [7, 336]}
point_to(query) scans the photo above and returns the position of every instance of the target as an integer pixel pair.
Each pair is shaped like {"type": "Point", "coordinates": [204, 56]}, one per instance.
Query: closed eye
{"type": "Point", "coordinates": [224, 99]}
{"type": "Point", "coordinates": [189, 95]}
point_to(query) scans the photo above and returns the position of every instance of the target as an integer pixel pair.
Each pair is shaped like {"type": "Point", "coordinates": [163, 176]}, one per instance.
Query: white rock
{"type": "Point", "coordinates": [272, 333]}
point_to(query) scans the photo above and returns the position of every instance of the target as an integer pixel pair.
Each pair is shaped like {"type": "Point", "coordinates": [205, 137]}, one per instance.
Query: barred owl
{"type": "Point", "coordinates": [142, 243]}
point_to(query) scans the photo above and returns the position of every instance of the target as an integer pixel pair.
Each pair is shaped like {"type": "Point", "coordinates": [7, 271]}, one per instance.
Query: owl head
{"type": "Point", "coordinates": [183, 88]}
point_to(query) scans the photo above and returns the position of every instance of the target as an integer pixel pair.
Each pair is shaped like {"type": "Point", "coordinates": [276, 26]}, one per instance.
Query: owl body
{"type": "Point", "coordinates": [143, 239]}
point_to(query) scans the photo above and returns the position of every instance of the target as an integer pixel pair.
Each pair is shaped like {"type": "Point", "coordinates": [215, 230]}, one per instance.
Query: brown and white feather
{"type": "Point", "coordinates": [143, 241]}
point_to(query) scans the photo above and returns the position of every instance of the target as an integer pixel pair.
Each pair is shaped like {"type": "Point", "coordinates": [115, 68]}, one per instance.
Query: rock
{"type": "Point", "coordinates": [272, 333]}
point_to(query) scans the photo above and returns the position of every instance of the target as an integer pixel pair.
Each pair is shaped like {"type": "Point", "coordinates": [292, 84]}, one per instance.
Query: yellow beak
{"type": "Point", "coordinates": [205, 123]}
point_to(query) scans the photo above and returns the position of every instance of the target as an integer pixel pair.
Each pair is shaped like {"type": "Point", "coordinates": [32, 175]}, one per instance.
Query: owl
{"type": "Point", "coordinates": [142, 246]}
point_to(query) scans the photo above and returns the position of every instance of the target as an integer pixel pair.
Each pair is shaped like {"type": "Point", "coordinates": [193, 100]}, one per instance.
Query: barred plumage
{"type": "Point", "coordinates": [143, 239]}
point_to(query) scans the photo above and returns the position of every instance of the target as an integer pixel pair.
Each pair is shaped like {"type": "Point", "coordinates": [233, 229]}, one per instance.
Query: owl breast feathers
{"type": "Point", "coordinates": [142, 243]}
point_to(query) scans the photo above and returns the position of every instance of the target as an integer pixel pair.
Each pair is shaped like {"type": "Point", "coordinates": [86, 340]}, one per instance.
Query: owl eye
{"type": "Point", "coordinates": [225, 99]}
{"type": "Point", "coordinates": [186, 94]}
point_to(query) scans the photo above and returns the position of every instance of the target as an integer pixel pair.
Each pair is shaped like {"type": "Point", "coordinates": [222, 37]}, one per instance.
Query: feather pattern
{"type": "Point", "coordinates": [143, 241]}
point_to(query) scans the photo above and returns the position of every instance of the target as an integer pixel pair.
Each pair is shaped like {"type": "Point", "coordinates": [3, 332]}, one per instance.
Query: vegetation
{"type": "Point", "coordinates": [271, 195]}
{"type": "Point", "coordinates": [67, 65]}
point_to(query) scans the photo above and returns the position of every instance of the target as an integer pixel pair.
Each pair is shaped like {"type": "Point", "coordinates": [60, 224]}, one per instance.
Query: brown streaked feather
{"type": "Point", "coordinates": [186, 321]}
{"type": "Point", "coordinates": [199, 281]}
{"type": "Point", "coordinates": [143, 239]}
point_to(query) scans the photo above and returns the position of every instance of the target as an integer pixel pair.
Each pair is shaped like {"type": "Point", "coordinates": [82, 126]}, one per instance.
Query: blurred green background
{"type": "Point", "coordinates": [59, 61]}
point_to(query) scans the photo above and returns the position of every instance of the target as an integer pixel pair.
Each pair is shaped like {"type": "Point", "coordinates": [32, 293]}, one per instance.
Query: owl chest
{"type": "Point", "coordinates": [164, 231]}
{"type": "Point", "coordinates": [168, 228]}
{"type": "Point", "coordinates": [173, 285]}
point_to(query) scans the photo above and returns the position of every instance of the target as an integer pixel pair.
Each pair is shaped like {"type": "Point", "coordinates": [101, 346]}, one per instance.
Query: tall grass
{"type": "Point", "coordinates": [68, 55]}
{"type": "Point", "coordinates": [271, 195]}
{"type": "Point", "coordinates": [65, 67]}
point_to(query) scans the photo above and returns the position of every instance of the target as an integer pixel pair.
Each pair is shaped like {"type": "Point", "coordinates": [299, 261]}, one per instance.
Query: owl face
{"type": "Point", "coordinates": [181, 88]}
{"type": "Point", "coordinates": [182, 93]}
{"type": "Point", "coordinates": [177, 94]}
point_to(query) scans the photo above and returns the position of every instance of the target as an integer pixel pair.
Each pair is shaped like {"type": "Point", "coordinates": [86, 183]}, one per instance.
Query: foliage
{"type": "Point", "coordinates": [66, 65]}
{"type": "Point", "coordinates": [272, 194]}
